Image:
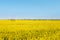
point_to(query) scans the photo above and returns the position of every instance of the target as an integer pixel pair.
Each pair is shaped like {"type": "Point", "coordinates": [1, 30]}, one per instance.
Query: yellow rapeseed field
{"type": "Point", "coordinates": [29, 29]}
{"type": "Point", "coordinates": [16, 25]}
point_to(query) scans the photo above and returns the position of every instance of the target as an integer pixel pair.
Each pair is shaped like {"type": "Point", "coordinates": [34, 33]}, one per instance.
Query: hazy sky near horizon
{"type": "Point", "coordinates": [30, 9]}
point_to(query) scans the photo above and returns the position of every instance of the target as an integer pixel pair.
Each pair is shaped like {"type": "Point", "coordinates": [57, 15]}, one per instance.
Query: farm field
{"type": "Point", "coordinates": [29, 29]}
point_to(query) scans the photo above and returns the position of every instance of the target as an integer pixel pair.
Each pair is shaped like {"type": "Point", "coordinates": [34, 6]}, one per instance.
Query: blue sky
{"type": "Point", "coordinates": [36, 9]}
